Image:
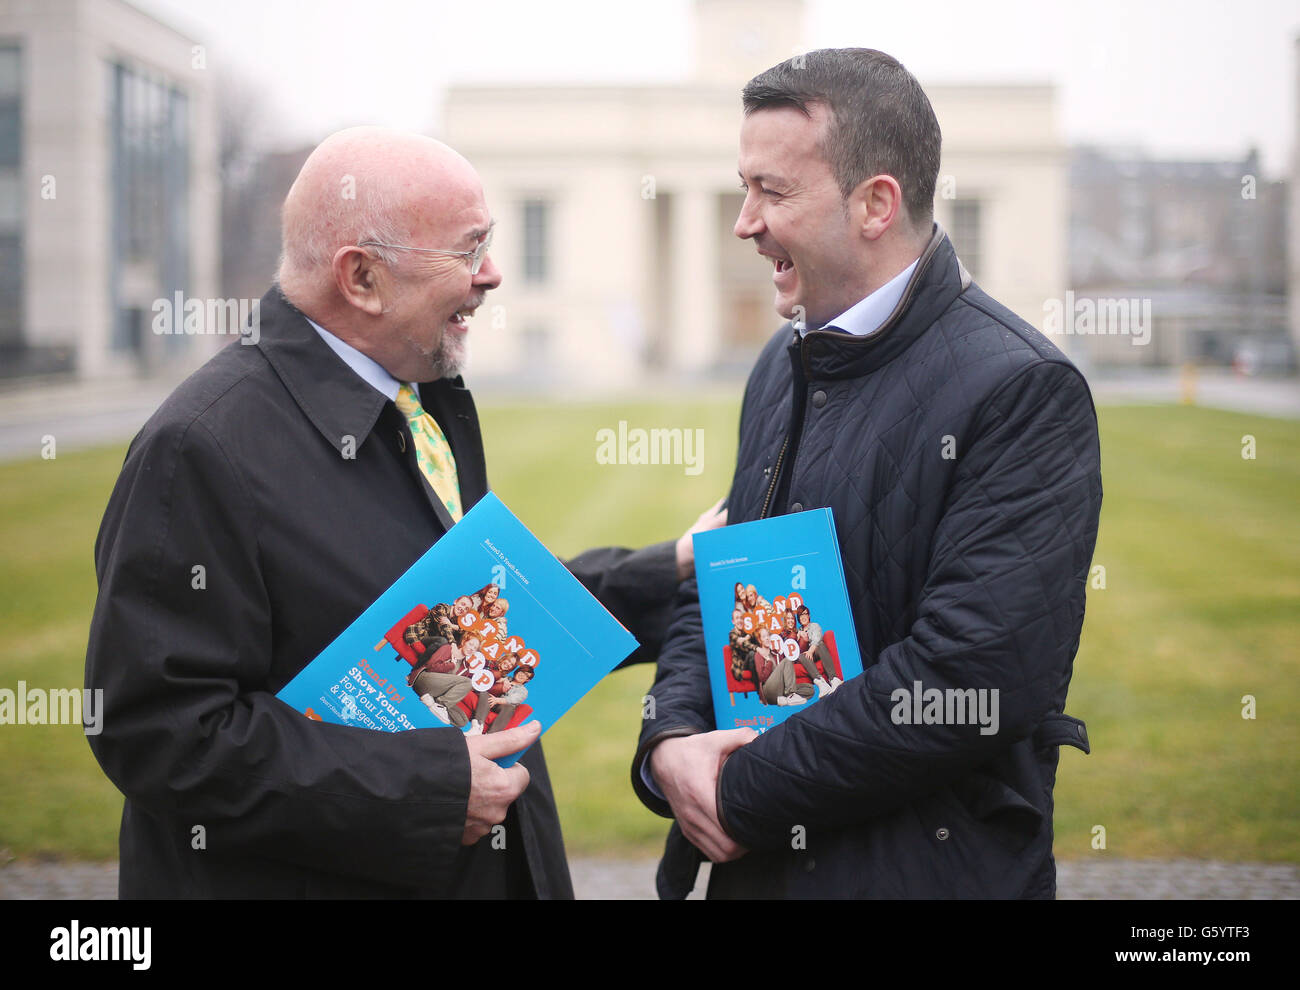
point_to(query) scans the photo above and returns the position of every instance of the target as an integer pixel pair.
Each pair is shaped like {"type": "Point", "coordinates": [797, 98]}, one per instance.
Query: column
{"type": "Point", "coordinates": [694, 322]}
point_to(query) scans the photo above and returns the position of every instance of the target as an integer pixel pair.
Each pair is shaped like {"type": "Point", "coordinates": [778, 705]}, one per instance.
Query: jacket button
{"type": "Point", "coordinates": [809, 865]}
{"type": "Point", "coordinates": [401, 441]}
{"type": "Point", "coordinates": [819, 398]}
{"type": "Point", "coordinates": [796, 507]}
{"type": "Point", "coordinates": [941, 834]}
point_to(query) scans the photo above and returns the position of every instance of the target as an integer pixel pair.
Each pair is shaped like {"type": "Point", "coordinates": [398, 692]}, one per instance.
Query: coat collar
{"type": "Point", "coordinates": [938, 280]}
{"type": "Point", "coordinates": [339, 403]}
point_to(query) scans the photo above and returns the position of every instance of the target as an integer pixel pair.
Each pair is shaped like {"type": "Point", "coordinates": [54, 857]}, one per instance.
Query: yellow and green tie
{"type": "Point", "coordinates": [432, 451]}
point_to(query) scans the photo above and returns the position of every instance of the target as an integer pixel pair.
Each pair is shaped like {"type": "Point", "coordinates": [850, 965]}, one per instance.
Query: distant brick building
{"type": "Point", "coordinates": [1201, 245]}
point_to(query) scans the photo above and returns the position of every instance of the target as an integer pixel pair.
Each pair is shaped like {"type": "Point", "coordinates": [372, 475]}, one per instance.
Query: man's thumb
{"type": "Point", "coordinates": [494, 745]}
{"type": "Point", "coordinates": [735, 738]}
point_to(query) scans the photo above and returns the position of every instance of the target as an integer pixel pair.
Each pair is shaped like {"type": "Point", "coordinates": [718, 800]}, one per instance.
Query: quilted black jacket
{"type": "Point", "coordinates": [958, 450]}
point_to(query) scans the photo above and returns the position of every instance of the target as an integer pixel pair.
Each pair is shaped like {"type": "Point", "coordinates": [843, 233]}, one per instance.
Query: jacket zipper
{"type": "Point", "coordinates": [776, 473]}
{"type": "Point", "coordinates": [799, 381]}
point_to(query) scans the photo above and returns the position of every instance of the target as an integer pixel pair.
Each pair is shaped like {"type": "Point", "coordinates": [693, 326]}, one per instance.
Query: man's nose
{"type": "Point", "coordinates": [748, 224]}
{"type": "Point", "coordinates": [489, 275]}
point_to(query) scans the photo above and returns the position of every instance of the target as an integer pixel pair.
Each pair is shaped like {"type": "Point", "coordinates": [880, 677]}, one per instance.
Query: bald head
{"type": "Point", "coordinates": [364, 183]}
{"type": "Point", "coordinates": [368, 184]}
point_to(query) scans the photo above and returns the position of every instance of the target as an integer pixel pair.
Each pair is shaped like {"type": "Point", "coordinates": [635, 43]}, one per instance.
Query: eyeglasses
{"type": "Point", "coordinates": [475, 257]}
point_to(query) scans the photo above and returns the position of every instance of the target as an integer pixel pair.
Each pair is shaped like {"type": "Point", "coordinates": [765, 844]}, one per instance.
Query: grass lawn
{"type": "Point", "coordinates": [1201, 606]}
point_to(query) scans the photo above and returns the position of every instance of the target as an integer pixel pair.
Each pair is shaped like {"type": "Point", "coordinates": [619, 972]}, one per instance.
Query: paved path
{"type": "Point", "coordinates": [76, 416]}
{"type": "Point", "coordinates": [1214, 388]}
{"type": "Point", "coordinates": [88, 414]}
{"type": "Point", "coordinates": [602, 879]}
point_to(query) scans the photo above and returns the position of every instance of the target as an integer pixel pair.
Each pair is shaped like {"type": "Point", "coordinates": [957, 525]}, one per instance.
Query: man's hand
{"type": "Point", "coordinates": [492, 789]}
{"type": "Point", "coordinates": [686, 770]}
{"type": "Point", "coordinates": [710, 518]}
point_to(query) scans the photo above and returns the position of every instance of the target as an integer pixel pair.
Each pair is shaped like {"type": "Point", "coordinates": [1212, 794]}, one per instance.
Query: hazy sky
{"type": "Point", "coordinates": [1176, 78]}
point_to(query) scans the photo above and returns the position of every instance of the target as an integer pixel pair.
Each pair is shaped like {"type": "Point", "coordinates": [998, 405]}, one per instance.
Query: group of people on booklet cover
{"type": "Point", "coordinates": [464, 647]}
{"type": "Point", "coordinates": [767, 639]}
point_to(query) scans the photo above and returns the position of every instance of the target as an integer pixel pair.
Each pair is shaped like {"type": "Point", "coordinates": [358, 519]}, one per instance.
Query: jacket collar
{"type": "Point", "coordinates": [335, 398]}
{"type": "Point", "coordinates": [938, 280]}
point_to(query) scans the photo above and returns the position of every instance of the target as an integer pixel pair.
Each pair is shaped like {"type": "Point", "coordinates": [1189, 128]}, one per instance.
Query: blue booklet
{"type": "Point", "coordinates": [778, 630]}
{"type": "Point", "coordinates": [487, 630]}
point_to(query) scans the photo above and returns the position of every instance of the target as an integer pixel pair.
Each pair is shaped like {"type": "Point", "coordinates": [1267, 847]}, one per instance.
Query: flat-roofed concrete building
{"type": "Point", "coordinates": [615, 208]}
{"type": "Point", "coordinates": [1293, 214]}
{"type": "Point", "coordinates": [108, 189]}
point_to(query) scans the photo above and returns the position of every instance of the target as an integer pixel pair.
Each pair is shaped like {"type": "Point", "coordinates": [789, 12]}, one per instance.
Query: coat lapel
{"type": "Point", "coordinates": [346, 410]}
{"type": "Point", "coordinates": [339, 403]}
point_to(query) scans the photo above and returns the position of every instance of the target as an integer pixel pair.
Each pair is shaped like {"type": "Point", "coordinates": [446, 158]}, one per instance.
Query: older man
{"type": "Point", "coordinates": [269, 500]}
{"type": "Point", "coordinates": [958, 450]}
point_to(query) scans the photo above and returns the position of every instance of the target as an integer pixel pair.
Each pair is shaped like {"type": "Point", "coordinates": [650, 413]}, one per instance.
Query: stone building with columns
{"type": "Point", "coordinates": [615, 206]}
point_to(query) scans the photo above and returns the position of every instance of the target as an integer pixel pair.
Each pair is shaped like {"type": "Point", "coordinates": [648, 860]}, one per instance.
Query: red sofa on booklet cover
{"type": "Point", "coordinates": [411, 653]}
{"type": "Point", "coordinates": [735, 687]}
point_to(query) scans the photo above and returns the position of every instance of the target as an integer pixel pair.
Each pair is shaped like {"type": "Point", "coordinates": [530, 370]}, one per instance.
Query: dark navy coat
{"type": "Point", "coordinates": [958, 450]}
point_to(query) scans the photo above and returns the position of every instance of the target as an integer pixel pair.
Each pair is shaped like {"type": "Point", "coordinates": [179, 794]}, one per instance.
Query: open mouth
{"type": "Point", "coordinates": [463, 314]}
{"type": "Point", "coordinates": [781, 265]}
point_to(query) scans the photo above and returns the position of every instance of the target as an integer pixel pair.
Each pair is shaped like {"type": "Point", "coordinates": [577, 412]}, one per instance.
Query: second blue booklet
{"type": "Point", "coordinates": [778, 630]}
{"type": "Point", "coordinates": [485, 631]}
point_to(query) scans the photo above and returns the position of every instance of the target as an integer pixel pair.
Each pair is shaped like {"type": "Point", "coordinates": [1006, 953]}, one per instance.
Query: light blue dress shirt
{"type": "Point", "coordinates": [867, 315]}
{"type": "Point", "coordinates": [370, 370]}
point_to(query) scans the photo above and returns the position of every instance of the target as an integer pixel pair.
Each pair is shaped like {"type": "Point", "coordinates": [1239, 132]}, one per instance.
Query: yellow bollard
{"type": "Point", "coordinates": [1187, 382]}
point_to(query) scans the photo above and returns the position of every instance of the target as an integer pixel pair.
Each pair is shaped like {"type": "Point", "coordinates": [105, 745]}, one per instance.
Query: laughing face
{"type": "Point", "coordinates": [795, 215]}
{"type": "Point", "coordinates": [436, 294]}
{"type": "Point", "coordinates": [427, 289]}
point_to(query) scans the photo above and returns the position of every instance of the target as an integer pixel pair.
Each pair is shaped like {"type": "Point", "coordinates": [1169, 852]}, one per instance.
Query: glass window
{"type": "Point", "coordinates": [11, 201]}
{"type": "Point", "coordinates": [11, 133]}
{"type": "Point", "coordinates": [11, 72]}
{"type": "Point", "coordinates": [11, 196]}
{"type": "Point", "coordinates": [150, 190]}
{"type": "Point", "coordinates": [536, 236]}
{"type": "Point", "coordinates": [11, 290]}
{"type": "Point", "coordinates": [966, 234]}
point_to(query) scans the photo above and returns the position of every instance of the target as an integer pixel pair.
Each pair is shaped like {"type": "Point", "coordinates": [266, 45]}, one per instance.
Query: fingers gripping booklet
{"type": "Point", "coordinates": [778, 630]}
{"type": "Point", "coordinates": [487, 630]}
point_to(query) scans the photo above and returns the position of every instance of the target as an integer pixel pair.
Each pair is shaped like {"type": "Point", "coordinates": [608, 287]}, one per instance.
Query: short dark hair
{"type": "Point", "coordinates": [881, 121]}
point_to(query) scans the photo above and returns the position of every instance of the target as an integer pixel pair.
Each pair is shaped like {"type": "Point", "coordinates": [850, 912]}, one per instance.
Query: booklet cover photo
{"type": "Point", "coordinates": [778, 630]}
{"type": "Point", "coordinates": [485, 631]}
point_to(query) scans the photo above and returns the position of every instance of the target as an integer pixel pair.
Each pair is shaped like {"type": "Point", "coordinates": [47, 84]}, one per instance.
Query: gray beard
{"type": "Point", "coordinates": [450, 359]}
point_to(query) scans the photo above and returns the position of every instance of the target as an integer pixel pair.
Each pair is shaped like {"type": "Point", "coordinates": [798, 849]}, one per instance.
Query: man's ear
{"type": "Point", "coordinates": [876, 204]}
{"type": "Point", "coordinates": [360, 279]}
